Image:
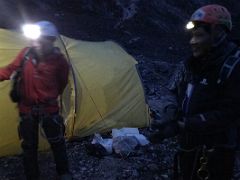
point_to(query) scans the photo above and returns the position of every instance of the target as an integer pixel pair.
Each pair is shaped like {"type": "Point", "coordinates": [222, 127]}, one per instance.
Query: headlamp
{"type": "Point", "coordinates": [31, 31]}
{"type": "Point", "coordinates": [190, 25]}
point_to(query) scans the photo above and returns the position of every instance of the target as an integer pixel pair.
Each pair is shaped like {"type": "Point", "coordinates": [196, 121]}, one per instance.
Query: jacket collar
{"type": "Point", "coordinates": [214, 59]}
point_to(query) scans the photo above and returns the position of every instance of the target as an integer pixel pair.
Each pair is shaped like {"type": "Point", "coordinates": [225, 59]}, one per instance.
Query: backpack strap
{"type": "Point", "coordinates": [25, 58]}
{"type": "Point", "coordinates": [228, 67]}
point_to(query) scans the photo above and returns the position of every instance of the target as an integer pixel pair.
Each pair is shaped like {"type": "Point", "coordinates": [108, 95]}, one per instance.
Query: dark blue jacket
{"type": "Point", "coordinates": [210, 109]}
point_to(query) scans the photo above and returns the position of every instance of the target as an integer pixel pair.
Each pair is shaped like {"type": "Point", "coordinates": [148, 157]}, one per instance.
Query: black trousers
{"type": "Point", "coordinates": [220, 164]}
{"type": "Point", "coordinates": [53, 128]}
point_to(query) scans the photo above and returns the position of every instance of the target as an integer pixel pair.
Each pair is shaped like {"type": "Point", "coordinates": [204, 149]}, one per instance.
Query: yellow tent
{"type": "Point", "coordinates": [104, 90]}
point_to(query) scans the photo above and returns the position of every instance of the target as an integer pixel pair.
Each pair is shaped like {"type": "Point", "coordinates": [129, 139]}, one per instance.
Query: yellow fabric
{"type": "Point", "coordinates": [104, 90]}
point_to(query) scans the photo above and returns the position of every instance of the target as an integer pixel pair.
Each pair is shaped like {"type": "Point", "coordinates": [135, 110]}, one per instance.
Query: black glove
{"type": "Point", "coordinates": [156, 137]}
{"type": "Point", "coordinates": [167, 126]}
{"type": "Point", "coordinates": [170, 129]}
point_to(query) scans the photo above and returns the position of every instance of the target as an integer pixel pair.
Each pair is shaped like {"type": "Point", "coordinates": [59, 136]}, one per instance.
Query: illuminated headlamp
{"type": "Point", "coordinates": [190, 25]}
{"type": "Point", "coordinates": [31, 31]}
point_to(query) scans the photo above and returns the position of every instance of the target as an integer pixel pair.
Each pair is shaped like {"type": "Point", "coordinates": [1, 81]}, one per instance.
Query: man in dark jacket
{"type": "Point", "coordinates": [209, 102]}
{"type": "Point", "coordinates": [44, 75]}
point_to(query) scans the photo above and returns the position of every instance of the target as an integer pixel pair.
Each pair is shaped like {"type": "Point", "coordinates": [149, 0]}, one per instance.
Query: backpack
{"type": "Point", "coordinates": [228, 67]}
{"type": "Point", "coordinates": [17, 78]}
{"type": "Point", "coordinates": [225, 72]}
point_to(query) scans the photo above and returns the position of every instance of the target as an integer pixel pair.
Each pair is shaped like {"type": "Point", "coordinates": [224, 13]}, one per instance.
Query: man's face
{"type": "Point", "coordinates": [43, 45]}
{"type": "Point", "coordinates": [200, 42]}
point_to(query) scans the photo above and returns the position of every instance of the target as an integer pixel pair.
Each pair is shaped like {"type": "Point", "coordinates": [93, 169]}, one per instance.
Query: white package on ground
{"type": "Point", "coordinates": [142, 140]}
{"type": "Point", "coordinates": [106, 143]}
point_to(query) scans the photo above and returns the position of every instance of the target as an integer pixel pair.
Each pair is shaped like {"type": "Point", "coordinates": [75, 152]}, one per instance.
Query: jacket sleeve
{"type": "Point", "coordinates": [63, 74]}
{"type": "Point", "coordinates": [226, 111]}
{"type": "Point", "coordinates": [170, 111]}
{"type": "Point", "coordinates": [6, 72]}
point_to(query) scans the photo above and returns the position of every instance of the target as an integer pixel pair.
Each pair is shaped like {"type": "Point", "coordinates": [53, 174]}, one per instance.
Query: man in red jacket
{"type": "Point", "coordinates": [44, 75]}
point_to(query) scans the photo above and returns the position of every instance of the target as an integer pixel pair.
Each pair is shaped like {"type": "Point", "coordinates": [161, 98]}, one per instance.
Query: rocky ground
{"type": "Point", "coordinates": [146, 162]}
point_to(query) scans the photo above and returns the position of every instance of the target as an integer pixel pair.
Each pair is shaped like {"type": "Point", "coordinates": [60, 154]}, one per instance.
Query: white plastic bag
{"type": "Point", "coordinates": [106, 143]}
{"type": "Point", "coordinates": [142, 140]}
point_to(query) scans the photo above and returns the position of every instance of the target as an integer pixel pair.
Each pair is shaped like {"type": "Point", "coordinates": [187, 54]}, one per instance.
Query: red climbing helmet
{"type": "Point", "coordinates": [213, 14]}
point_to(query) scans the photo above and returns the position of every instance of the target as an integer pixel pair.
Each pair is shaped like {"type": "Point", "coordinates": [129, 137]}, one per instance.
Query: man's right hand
{"type": "Point", "coordinates": [168, 130]}
{"type": "Point", "coordinates": [156, 137]}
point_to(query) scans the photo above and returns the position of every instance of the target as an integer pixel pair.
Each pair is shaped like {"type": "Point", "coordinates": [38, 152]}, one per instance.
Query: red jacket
{"type": "Point", "coordinates": [42, 81]}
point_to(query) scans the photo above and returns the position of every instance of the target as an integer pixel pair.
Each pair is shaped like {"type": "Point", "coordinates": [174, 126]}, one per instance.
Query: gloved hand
{"type": "Point", "coordinates": [167, 126]}
{"type": "Point", "coordinates": [169, 114]}
{"type": "Point", "coordinates": [156, 137]}
{"type": "Point", "coordinates": [166, 131]}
